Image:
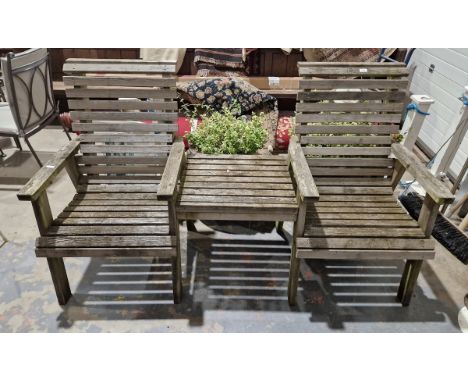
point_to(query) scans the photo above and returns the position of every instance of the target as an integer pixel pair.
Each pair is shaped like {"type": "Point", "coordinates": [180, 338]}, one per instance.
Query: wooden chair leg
{"type": "Point", "coordinates": [177, 277]}
{"type": "Point", "coordinates": [408, 281]}
{"type": "Point", "coordinates": [293, 276]}
{"type": "Point", "coordinates": [279, 227]}
{"type": "Point", "coordinates": [60, 279]}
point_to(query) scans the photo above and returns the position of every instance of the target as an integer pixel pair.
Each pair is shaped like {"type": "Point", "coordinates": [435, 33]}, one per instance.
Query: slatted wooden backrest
{"type": "Point", "coordinates": [126, 112]}
{"type": "Point", "coordinates": [346, 115]}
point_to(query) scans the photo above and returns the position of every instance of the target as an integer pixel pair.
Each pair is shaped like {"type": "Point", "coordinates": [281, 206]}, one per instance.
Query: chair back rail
{"type": "Point", "coordinates": [126, 113]}
{"type": "Point", "coordinates": [346, 114]}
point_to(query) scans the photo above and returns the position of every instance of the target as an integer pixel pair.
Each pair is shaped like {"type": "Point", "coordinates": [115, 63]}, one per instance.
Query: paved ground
{"type": "Point", "coordinates": [232, 283]}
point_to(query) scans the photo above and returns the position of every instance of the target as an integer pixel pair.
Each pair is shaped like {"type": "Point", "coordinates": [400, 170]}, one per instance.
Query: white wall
{"type": "Point", "coordinates": [446, 84]}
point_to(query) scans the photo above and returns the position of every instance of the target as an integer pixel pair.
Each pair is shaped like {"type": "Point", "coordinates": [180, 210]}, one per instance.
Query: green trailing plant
{"type": "Point", "coordinates": [225, 133]}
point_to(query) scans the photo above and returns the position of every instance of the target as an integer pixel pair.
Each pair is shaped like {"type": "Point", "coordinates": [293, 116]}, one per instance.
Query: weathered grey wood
{"type": "Point", "coordinates": [350, 162]}
{"type": "Point", "coordinates": [348, 117]}
{"type": "Point", "coordinates": [347, 171]}
{"type": "Point", "coordinates": [106, 169]}
{"type": "Point", "coordinates": [361, 182]}
{"type": "Point", "coordinates": [235, 213]}
{"type": "Point", "coordinates": [347, 129]}
{"type": "Point", "coordinates": [302, 175]}
{"type": "Point", "coordinates": [355, 190]}
{"type": "Point", "coordinates": [400, 222]}
{"type": "Point", "coordinates": [124, 116]}
{"type": "Point", "coordinates": [247, 178]}
{"type": "Point", "coordinates": [363, 151]}
{"type": "Point", "coordinates": [428, 215]}
{"type": "Point", "coordinates": [352, 95]}
{"type": "Point", "coordinates": [364, 232]}
{"type": "Point", "coordinates": [60, 280]}
{"type": "Point", "coordinates": [121, 80]}
{"type": "Point", "coordinates": [433, 186]}
{"type": "Point", "coordinates": [126, 138]}
{"type": "Point", "coordinates": [237, 192]}
{"type": "Point", "coordinates": [363, 254]}
{"type": "Point", "coordinates": [104, 159]}
{"type": "Point", "coordinates": [112, 214]}
{"type": "Point", "coordinates": [44, 177]}
{"type": "Point", "coordinates": [222, 199]}
{"type": "Point", "coordinates": [237, 184]}
{"type": "Point", "coordinates": [360, 107]}
{"type": "Point", "coordinates": [129, 127]}
{"type": "Point", "coordinates": [106, 252]}
{"type": "Point", "coordinates": [398, 172]}
{"type": "Point", "coordinates": [237, 173]}
{"type": "Point", "coordinates": [84, 104]}
{"type": "Point", "coordinates": [369, 71]}
{"type": "Point", "coordinates": [346, 140]}
{"type": "Point", "coordinates": [104, 241]}
{"type": "Point", "coordinates": [160, 151]}
{"type": "Point", "coordinates": [171, 175]}
{"type": "Point", "coordinates": [365, 243]}
{"type": "Point", "coordinates": [237, 167]}
{"type": "Point", "coordinates": [76, 66]}
{"type": "Point", "coordinates": [408, 281]}
{"type": "Point", "coordinates": [108, 230]}
{"type": "Point", "coordinates": [111, 221]}
{"type": "Point", "coordinates": [294, 262]}
{"type": "Point", "coordinates": [353, 83]}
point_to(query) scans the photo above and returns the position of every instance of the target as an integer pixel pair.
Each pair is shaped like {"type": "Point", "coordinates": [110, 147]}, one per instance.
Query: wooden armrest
{"type": "Point", "coordinates": [46, 174]}
{"type": "Point", "coordinates": [168, 185]}
{"type": "Point", "coordinates": [304, 179]}
{"type": "Point", "coordinates": [433, 186]}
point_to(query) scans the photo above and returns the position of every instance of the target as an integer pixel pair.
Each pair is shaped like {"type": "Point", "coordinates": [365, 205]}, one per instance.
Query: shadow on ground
{"type": "Point", "coordinates": [234, 277]}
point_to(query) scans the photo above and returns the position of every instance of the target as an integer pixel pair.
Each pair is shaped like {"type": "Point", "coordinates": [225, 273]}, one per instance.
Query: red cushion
{"type": "Point", "coordinates": [283, 131]}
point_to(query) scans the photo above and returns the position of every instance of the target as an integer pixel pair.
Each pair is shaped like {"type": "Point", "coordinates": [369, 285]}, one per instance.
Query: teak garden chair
{"type": "Point", "coordinates": [123, 163]}
{"type": "Point", "coordinates": [343, 155]}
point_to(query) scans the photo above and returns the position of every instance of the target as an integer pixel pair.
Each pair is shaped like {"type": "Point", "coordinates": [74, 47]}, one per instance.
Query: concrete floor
{"type": "Point", "coordinates": [232, 283]}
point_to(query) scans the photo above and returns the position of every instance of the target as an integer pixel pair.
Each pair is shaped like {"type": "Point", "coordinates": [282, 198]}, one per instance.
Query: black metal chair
{"type": "Point", "coordinates": [28, 84]}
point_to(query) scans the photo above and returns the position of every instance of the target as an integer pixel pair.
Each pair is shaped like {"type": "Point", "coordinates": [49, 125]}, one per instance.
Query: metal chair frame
{"type": "Point", "coordinates": [28, 128]}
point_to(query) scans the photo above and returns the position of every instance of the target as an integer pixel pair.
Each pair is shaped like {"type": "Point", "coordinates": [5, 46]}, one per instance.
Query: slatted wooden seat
{"type": "Point", "coordinates": [236, 187]}
{"type": "Point", "coordinates": [124, 165]}
{"type": "Point", "coordinates": [343, 155]}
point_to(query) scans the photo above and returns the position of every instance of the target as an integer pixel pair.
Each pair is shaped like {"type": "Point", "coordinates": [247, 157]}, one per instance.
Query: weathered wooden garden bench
{"type": "Point", "coordinates": [342, 153]}
{"type": "Point", "coordinates": [123, 162]}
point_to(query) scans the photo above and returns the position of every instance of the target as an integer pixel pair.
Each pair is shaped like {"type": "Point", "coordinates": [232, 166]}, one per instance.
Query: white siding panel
{"type": "Point", "coordinates": [445, 84]}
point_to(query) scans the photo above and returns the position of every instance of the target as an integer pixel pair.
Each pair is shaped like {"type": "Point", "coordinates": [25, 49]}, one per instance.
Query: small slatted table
{"type": "Point", "coordinates": [236, 187]}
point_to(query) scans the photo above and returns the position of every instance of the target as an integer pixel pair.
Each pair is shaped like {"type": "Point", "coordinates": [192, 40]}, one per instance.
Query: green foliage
{"type": "Point", "coordinates": [224, 133]}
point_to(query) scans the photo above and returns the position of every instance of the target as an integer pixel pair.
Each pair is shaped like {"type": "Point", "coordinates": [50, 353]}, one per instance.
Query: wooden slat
{"type": "Point", "coordinates": [394, 209]}
{"type": "Point", "coordinates": [348, 117]}
{"type": "Point", "coordinates": [353, 83]}
{"type": "Point", "coordinates": [121, 104]}
{"type": "Point", "coordinates": [123, 160]}
{"type": "Point", "coordinates": [194, 184]}
{"type": "Point", "coordinates": [135, 127]}
{"type": "Point", "coordinates": [237, 173]}
{"type": "Point", "coordinates": [359, 204]}
{"type": "Point", "coordinates": [350, 162]}
{"type": "Point", "coordinates": [128, 179]}
{"type": "Point", "coordinates": [347, 129]}
{"type": "Point", "coordinates": [105, 202]}
{"type": "Point", "coordinates": [125, 138]}
{"type": "Point", "coordinates": [123, 116]}
{"type": "Point", "coordinates": [365, 243]}
{"type": "Point", "coordinates": [153, 150]}
{"type": "Point", "coordinates": [115, 198]}
{"type": "Point", "coordinates": [395, 107]}
{"type": "Point", "coordinates": [229, 199]}
{"type": "Point", "coordinates": [355, 216]}
{"type": "Point", "coordinates": [277, 208]}
{"type": "Point", "coordinates": [347, 140]}
{"type": "Point", "coordinates": [234, 162]}
{"type": "Point", "coordinates": [357, 198]}
{"type": "Point", "coordinates": [108, 230]}
{"type": "Point", "coordinates": [105, 241]}
{"type": "Point", "coordinates": [106, 169]}
{"type": "Point", "coordinates": [121, 93]}
{"type": "Point", "coordinates": [361, 182]}
{"type": "Point", "coordinates": [266, 158]}
{"type": "Point", "coordinates": [117, 188]}
{"type": "Point", "coordinates": [116, 208]}
{"type": "Point", "coordinates": [234, 179]}
{"type": "Point", "coordinates": [104, 252]}
{"type": "Point", "coordinates": [111, 221]}
{"type": "Point", "coordinates": [75, 66]}
{"type": "Point", "coordinates": [231, 167]}
{"type": "Point", "coordinates": [356, 232]}
{"type": "Point", "coordinates": [372, 223]}
{"type": "Point", "coordinates": [363, 70]}
{"type": "Point", "coordinates": [355, 190]}
{"type": "Point", "coordinates": [361, 151]}
{"type": "Point", "coordinates": [351, 171]}
{"type": "Point", "coordinates": [237, 192]}
{"type": "Point", "coordinates": [362, 254]}
{"type": "Point", "coordinates": [352, 95]}
{"type": "Point", "coordinates": [112, 214]}
{"type": "Point", "coordinates": [119, 81]}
